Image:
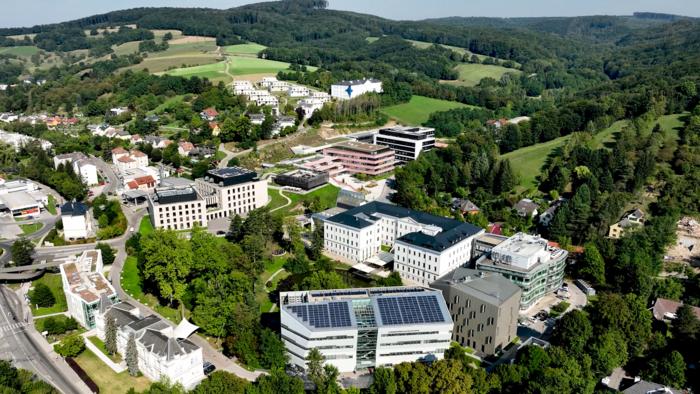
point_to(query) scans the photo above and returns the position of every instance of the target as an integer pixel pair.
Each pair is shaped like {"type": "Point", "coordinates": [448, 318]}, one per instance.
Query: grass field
{"type": "Point", "coordinates": [472, 74]}
{"type": "Point", "coordinates": [178, 55]}
{"type": "Point", "coordinates": [24, 51]}
{"type": "Point", "coordinates": [52, 205]}
{"type": "Point", "coordinates": [145, 227]}
{"type": "Point", "coordinates": [328, 195]}
{"type": "Point", "coordinates": [30, 228]}
{"type": "Point", "coordinates": [276, 200]}
{"type": "Point", "coordinates": [108, 381]}
{"type": "Point", "coordinates": [53, 281]}
{"type": "Point", "coordinates": [101, 345]}
{"type": "Point", "coordinates": [417, 111]}
{"type": "Point", "coordinates": [244, 49]}
{"type": "Point", "coordinates": [131, 283]}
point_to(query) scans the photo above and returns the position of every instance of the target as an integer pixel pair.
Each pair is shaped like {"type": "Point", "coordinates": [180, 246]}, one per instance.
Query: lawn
{"type": "Point", "coordinates": [39, 325]}
{"type": "Point", "coordinates": [52, 205]}
{"type": "Point", "coordinates": [53, 281]}
{"type": "Point", "coordinates": [30, 228]}
{"type": "Point", "coordinates": [276, 200]}
{"type": "Point", "coordinates": [180, 55]}
{"type": "Point", "coordinates": [108, 381]}
{"type": "Point", "coordinates": [145, 227]}
{"type": "Point", "coordinates": [528, 161]}
{"type": "Point", "coordinates": [25, 51]}
{"type": "Point", "coordinates": [116, 357]}
{"type": "Point", "coordinates": [418, 110]}
{"type": "Point", "coordinates": [328, 195]}
{"type": "Point", "coordinates": [244, 49]}
{"type": "Point", "coordinates": [239, 65]}
{"type": "Point", "coordinates": [470, 74]}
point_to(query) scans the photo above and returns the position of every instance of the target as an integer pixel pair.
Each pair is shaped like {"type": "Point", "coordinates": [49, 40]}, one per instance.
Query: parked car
{"type": "Point", "coordinates": [208, 367]}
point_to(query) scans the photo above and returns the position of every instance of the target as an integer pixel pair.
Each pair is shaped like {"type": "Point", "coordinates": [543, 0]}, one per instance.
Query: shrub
{"type": "Point", "coordinates": [57, 326]}
{"type": "Point", "coordinates": [70, 346]}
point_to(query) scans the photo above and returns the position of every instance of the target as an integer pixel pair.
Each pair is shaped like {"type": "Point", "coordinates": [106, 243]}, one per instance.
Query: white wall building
{"type": "Point", "coordinates": [77, 223]}
{"type": "Point", "coordinates": [231, 191]}
{"type": "Point", "coordinates": [345, 90]}
{"type": "Point", "coordinates": [80, 164]}
{"type": "Point", "coordinates": [125, 160]}
{"type": "Point", "coordinates": [84, 287]}
{"type": "Point", "coordinates": [356, 329]}
{"type": "Point", "coordinates": [163, 351]}
{"type": "Point", "coordinates": [406, 142]}
{"type": "Point", "coordinates": [22, 198]}
{"type": "Point", "coordinates": [298, 91]}
{"type": "Point", "coordinates": [278, 86]}
{"type": "Point", "coordinates": [177, 208]}
{"type": "Point", "coordinates": [310, 105]}
{"type": "Point", "coordinates": [19, 140]}
{"type": "Point", "coordinates": [425, 246]}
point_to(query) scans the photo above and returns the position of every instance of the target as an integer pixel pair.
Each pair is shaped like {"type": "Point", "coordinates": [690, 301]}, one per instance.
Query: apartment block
{"type": "Point", "coordinates": [528, 261]}
{"type": "Point", "coordinates": [484, 307]}
{"type": "Point", "coordinates": [356, 329]}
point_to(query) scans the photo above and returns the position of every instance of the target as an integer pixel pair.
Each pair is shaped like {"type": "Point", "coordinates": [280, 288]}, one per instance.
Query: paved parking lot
{"type": "Point", "coordinates": [531, 325]}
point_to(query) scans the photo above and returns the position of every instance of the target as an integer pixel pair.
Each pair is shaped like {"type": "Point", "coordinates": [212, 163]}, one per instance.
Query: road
{"type": "Point", "coordinates": [107, 173]}
{"type": "Point", "coordinates": [20, 342]}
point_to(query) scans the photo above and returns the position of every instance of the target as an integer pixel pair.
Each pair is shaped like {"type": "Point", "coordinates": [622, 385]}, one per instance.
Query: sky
{"type": "Point", "coordinates": [32, 12]}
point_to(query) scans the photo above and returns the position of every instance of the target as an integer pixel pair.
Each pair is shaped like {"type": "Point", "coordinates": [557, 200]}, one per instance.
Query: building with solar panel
{"type": "Point", "coordinates": [425, 246]}
{"type": "Point", "coordinates": [356, 329]}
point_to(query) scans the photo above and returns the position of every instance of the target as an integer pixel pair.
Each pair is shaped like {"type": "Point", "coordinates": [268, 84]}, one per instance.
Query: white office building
{"type": "Point", "coordinates": [425, 246]}
{"type": "Point", "coordinates": [164, 352]}
{"type": "Point", "coordinates": [356, 329]}
{"type": "Point", "coordinates": [231, 191]}
{"type": "Point", "coordinates": [77, 223]}
{"type": "Point", "coordinates": [529, 262]}
{"type": "Point", "coordinates": [406, 142]}
{"type": "Point", "coordinates": [177, 208]}
{"type": "Point", "coordinates": [346, 90]}
{"type": "Point", "coordinates": [84, 286]}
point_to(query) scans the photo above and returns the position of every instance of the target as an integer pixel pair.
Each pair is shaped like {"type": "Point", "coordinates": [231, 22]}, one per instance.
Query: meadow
{"type": "Point", "coordinates": [471, 74]}
{"type": "Point", "coordinates": [418, 110]}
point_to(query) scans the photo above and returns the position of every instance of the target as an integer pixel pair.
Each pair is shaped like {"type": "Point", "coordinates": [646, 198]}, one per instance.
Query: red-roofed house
{"type": "Point", "coordinates": [184, 148]}
{"type": "Point", "coordinates": [215, 129]}
{"type": "Point", "coordinates": [142, 183]}
{"type": "Point", "coordinates": [209, 114]}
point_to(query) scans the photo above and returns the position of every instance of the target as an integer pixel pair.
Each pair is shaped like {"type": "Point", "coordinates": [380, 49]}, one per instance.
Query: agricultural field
{"type": "Point", "coordinates": [22, 51]}
{"type": "Point", "coordinates": [471, 74]}
{"type": "Point", "coordinates": [461, 51]}
{"type": "Point", "coordinates": [233, 66]}
{"type": "Point", "coordinates": [250, 49]}
{"type": "Point", "coordinates": [418, 110]}
{"type": "Point", "coordinates": [181, 53]}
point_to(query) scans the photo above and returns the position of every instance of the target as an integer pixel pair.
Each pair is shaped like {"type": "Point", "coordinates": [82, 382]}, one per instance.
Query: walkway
{"type": "Point", "coordinates": [289, 201]}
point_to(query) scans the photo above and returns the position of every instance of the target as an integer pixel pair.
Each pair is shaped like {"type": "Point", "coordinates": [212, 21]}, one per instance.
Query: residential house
{"type": "Point", "coordinates": [118, 110]}
{"type": "Point", "coordinates": [644, 387]}
{"type": "Point", "coordinates": [298, 91]}
{"type": "Point", "coordinates": [631, 220]}
{"type": "Point", "coordinates": [256, 119]}
{"type": "Point", "coordinates": [184, 148]}
{"type": "Point", "coordinates": [526, 208]}
{"type": "Point", "coordinates": [215, 129]}
{"type": "Point", "coordinates": [465, 206]}
{"type": "Point", "coordinates": [546, 217]}
{"type": "Point", "coordinates": [76, 220]}
{"type": "Point", "coordinates": [665, 309]}
{"type": "Point", "coordinates": [209, 114]}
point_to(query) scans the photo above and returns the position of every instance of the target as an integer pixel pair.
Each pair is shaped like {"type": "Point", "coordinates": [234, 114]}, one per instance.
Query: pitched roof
{"type": "Point", "coordinates": [164, 346]}
{"type": "Point", "coordinates": [644, 387]}
{"type": "Point", "coordinates": [73, 208]}
{"type": "Point", "coordinates": [663, 306]}
{"type": "Point", "coordinates": [119, 150]}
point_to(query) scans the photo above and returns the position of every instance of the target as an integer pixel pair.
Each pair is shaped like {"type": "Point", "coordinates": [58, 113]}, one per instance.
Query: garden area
{"type": "Point", "coordinates": [107, 380]}
{"type": "Point", "coordinates": [57, 327]}
{"type": "Point", "coordinates": [48, 295]}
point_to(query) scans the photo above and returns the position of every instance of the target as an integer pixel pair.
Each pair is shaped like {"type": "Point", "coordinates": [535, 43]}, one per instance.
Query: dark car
{"type": "Point", "coordinates": [208, 367]}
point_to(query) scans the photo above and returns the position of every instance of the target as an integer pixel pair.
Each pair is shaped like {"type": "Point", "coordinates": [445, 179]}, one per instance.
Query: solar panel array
{"type": "Point", "coordinates": [332, 314]}
{"type": "Point", "coordinates": [410, 310]}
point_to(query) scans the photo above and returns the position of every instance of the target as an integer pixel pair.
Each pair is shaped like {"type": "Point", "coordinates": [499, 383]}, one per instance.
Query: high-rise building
{"type": "Point", "coordinates": [356, 329]}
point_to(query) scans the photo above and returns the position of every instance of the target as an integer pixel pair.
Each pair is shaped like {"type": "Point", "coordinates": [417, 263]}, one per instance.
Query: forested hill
{"type": "Point", "coordinates": [597, 28]}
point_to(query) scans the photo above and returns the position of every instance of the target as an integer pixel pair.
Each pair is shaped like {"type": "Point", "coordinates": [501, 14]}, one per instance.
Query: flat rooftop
{"type": "Point", "coordinates": [18, 200]}
{"type": "Point", "coordinates": [175, 195]}
{"type": "Point", "coordinates": [303, 174]}
{"type": "Point", "coordinates": [361, 147]}
{"type": "Point", "coordinates": [84, 279]}
{"type": "Point", "coordinates": [487, 286]}
{"type": "Point", "coordinates": [230, 176]}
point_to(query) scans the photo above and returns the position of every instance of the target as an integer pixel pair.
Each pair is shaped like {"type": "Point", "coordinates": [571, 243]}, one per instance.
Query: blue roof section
{"type": "Point", "coordinates": [453, 231]}
{"type": "Point", "coordinates": [73, 208]}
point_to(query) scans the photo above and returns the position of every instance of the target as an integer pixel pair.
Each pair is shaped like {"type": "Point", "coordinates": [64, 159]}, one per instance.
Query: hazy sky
{"type": "Point", "coordinates": [31, 12]}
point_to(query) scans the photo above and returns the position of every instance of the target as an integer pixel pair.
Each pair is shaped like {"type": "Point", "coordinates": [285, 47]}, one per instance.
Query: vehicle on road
{"type": "Point", "coordinates": [208, 367]}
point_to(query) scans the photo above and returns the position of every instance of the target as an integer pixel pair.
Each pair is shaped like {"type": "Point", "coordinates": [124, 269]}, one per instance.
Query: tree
{"type": "Point", "coordinates": [448, 376]}
{"type": "Point", "coordinates": [70, 346]}
{"type": "Point", "coordinates": [506, 178]}
{"type": "Point", "coordinates": [167, 261]}
{"type": "Point", "coordinates": [222, 382]}
{"type": "Point", "coordinates": [572, 332]}
{"type": "Point", "coordinates": [533, 358]}
{"type": "Point", "coordinates": [42, 296]}
{"type": "Point", "coordinates": [22, 251]}
{"type": "Point", "coordinates": [608, 352]}
{"type": "Point", "coordinates": [592, 265]}
{"type": "Point", "coordinates": [384, 382]}
{"type": "Point", "coordinates": [669, 370]}
{"type": "Point", "coordinates": [132, 357]}
{"type": "Point", "coordinates": [317, 240]}
{"type": "Point", "coordinates": [111, 335]}
{"type": "Point", "coordinates": [272, 351]}
{"type": "Point", "coordinates": [107, 253]}
{"type": "Point", "coordinates": [235, 228]}
{"type": "Point", "coordinates": [277, 382]}
{"type": "Point", "coordinates": [314, 362]}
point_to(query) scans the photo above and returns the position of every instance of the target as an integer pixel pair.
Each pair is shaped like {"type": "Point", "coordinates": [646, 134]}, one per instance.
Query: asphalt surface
{"type": "Point", "coordinates": [19, 342]}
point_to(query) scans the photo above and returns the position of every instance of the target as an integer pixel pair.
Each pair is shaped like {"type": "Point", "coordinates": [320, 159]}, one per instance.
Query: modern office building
{"type": "Point", "coordinates": [528, 261]}
{"type": "Point", "coordinates": [76, 220]}
{"type": "Point", "coordinates": [84, 286]}
{"type": "Point", "coordinates": [425, 246]}
{"type": "Point", "coordinates": [231, 191]}
{"type": "Point", "coordinates": [484, 307]}
{"type": "Point", "coordinates": [303, 179]}
{"type": "Point", "coordinates": [346, 90]}
{"type": "Point", "coordinates": [354, 157]}
{"type": "Point", "coordinates": [177, 208]}
{"type": "Point", "coordinates": [163, 351]}
{"type": "Point", "coordinates": [356, 329]}
{"type": "Point", "coordinates": [406, 142]}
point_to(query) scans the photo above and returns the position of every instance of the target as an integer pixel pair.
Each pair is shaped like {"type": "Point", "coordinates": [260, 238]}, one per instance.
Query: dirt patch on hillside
{"type": "Point", "coordinates": [253, 77]}
{"type": "Point", "coordinates": [190, 39]}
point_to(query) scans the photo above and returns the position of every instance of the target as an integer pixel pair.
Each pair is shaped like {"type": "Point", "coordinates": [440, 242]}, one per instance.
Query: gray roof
{"type": "Point", "coordinates": [122, 317]}
{"type": "Point", "coordinates": [489, 287]}
{"type": "Point", "coordinates": [165, 346]}
{"type": "Point", "coordinates": [148, 321]}
{"type": "Point", "coordinates": [73, 208]}
{"type": "Point", "coordinates": [644, 387]}
{"type": "Point", "coordinates": [453, 231]}
{"type": "Point", "coordinates": [526, 206]}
